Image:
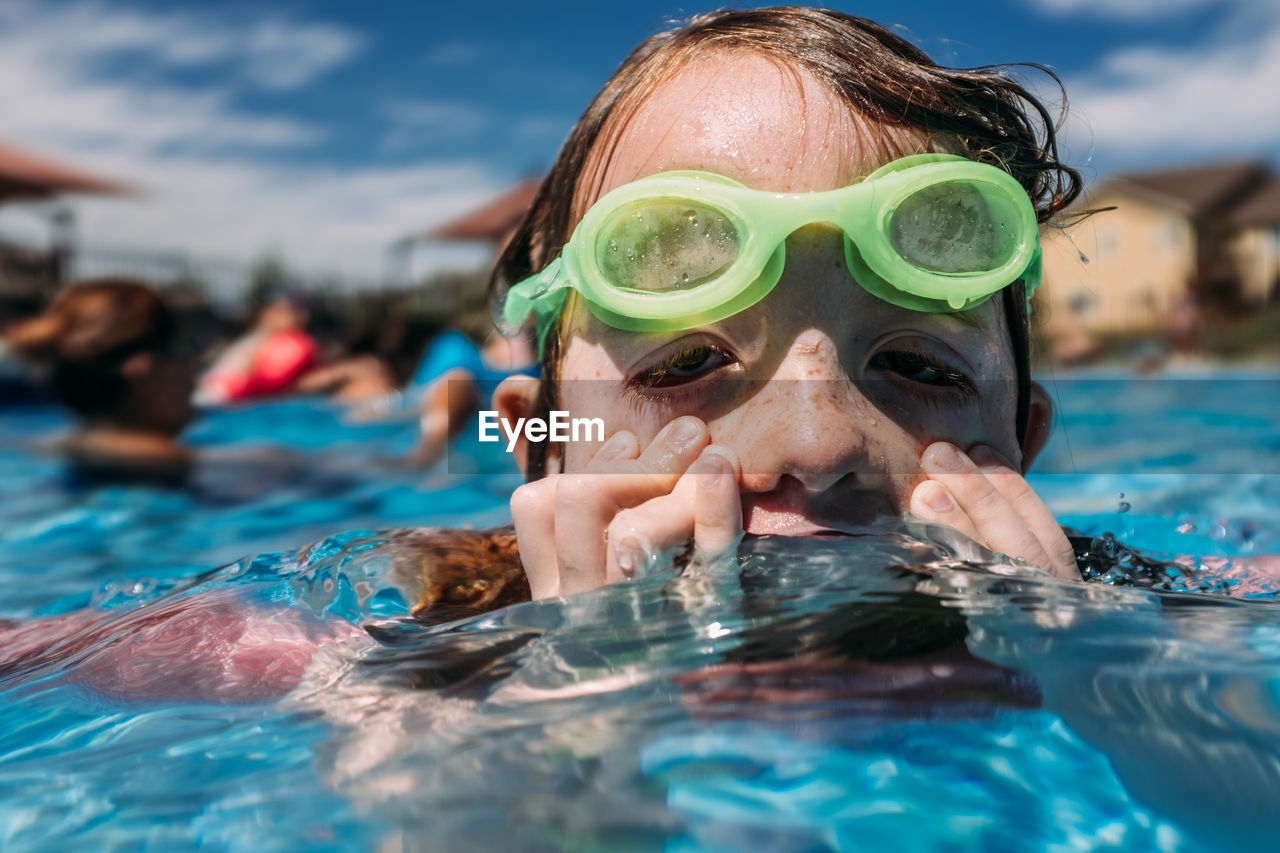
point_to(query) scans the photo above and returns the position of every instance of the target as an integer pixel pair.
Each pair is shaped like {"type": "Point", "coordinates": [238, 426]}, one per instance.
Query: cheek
{"type": "Point", "coordinates": [993, 426]}
{"type": "Point", "coordinates": [604, 400]}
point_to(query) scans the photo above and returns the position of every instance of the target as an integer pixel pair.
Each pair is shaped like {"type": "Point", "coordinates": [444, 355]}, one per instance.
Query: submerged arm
{"type": "Point", "coordinates": [209, 647]}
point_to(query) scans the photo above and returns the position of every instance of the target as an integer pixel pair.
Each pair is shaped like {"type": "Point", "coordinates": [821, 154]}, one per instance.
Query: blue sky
{"type": "Point", "coordinates": [322, 131]}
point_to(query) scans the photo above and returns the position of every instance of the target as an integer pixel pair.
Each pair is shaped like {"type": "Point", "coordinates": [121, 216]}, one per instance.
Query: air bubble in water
{"type": "Point", "coordinates": [1123, 505]}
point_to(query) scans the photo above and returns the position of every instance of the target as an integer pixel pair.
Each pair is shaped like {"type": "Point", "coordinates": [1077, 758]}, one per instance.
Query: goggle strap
{"type": "Point", "coordinates": [1032, 278]}
{"type": "Point", "coordinates": [534, 295]}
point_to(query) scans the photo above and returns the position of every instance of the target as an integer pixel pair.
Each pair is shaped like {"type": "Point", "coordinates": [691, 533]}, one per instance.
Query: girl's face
{"type": "Point", "coordinates": [827, 394]}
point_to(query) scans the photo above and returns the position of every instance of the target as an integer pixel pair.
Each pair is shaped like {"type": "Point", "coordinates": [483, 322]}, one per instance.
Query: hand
{"type": "Point", "coordinates": [988, 500]}
{"type": "Point", "coordinates": [578, 531]}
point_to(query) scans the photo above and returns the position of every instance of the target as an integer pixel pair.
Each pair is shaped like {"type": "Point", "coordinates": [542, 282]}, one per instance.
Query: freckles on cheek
{"type": "Point", "coordinates": [750, 432]}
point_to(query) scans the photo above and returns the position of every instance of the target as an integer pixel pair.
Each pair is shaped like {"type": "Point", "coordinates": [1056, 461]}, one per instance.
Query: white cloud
{"type": "Point", "coordinates": [89, 83]}
{"type": "Point", "coordinates": [283, 55]}
{"type": "Point", "coordinates": [322, 218]}
{"type": "Point", "coordinates": [273, 53]}
{"type": "Point", "coordinates": [1121, 8]}
{"type": "Point", "coordinates": [1155, 104]}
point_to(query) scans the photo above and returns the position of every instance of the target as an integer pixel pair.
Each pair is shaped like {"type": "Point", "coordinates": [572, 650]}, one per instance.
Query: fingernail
{"type": "Point", "coordinates": [681, 431]}
{"type": "Point", "coordinates": [947, 457]}
{"type": "Point", "coordinates": [713, 471]}
{"type": "Point", "coordinates": [616, 443]}
{"type": "Point", "coordinates": [630, 554]}
{"type": "Point", "coordinates": [937, 499]}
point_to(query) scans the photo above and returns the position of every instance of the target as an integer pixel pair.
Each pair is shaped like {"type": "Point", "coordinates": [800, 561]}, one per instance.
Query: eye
{"type": "Point", "coordinates": [683, 367]}
{"type": "Point", "coordinates": [922, 369]}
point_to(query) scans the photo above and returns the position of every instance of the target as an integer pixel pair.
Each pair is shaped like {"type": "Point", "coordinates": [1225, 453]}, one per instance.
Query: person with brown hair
{"type": "Point", "coordinates": [772, 259]}
{"type": "Point", "coordinates": [108, 347]}
{"type": "Point", "coordinates": [829, 401]}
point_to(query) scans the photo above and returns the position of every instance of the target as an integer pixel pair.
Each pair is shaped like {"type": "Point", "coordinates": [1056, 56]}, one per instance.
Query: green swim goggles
{"type": "Point", "coordinates": [929, 232]}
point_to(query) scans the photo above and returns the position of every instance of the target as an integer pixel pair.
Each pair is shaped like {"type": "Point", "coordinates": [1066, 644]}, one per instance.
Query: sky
{"type": "Point", "coordinates": [321, 132]}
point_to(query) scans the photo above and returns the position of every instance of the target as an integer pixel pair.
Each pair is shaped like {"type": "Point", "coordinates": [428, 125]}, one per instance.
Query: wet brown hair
{"type": "Point", "coordinates": [980, 113]}
{"type": "Point", "coordinates": [86, 335]}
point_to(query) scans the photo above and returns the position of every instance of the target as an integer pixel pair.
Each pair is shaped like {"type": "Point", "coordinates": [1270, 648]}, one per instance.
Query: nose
{"type": "Point", "coordinates": [811, 420]}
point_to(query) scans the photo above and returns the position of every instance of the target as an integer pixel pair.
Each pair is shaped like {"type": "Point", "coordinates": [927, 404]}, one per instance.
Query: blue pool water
{"type": "Point", "coordinates": [890, 691]}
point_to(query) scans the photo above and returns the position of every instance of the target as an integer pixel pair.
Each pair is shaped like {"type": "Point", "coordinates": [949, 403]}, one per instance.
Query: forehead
{"type": "Point", "coordinates": [749, 117]}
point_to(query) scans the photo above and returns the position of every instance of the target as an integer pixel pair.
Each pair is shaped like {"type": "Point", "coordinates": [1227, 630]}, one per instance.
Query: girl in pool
{"type": "Point", "coordinates": [851, 341]}
{"type": "Point", "coordinates": [786, 259]}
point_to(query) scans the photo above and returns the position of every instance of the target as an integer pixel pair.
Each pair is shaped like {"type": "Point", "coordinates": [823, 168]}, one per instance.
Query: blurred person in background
{"type": "Point", "coordinates": [109, 348]}
{"type": "Point", "coordinates": [457, 377]}
{"type": "Point", "coordinates": [375, 371]}
{"type": "Point", "coordinates": [268, 360]}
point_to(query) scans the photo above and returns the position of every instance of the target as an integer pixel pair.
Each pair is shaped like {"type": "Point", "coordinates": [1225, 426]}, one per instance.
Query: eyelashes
{"type": "Point", "coordinates": [924, 370]}
{"type": "Point", "coordinates": [682, 367]}
{"type": "Point", "coordinates": [923, 375]}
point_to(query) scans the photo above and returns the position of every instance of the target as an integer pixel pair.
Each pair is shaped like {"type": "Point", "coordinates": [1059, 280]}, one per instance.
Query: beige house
{"type": "Point", "coordinates": [1253, 247]}
{"type": "Point", "coordinates": [1161, 243]}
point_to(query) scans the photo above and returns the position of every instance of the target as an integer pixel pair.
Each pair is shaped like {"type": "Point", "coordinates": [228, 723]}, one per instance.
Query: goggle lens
{"type": "Point", "coordinates": [955, 227]}
{"type": "Point", "coordinates": [665, 245]}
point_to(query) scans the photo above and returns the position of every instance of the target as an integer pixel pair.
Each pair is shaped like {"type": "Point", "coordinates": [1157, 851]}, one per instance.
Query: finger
{"type": "Point", "coordinates": [620, 446]}
{"type": "Point", "coordinates": [717, 516]}
{"type": "Point", "coordinates": [669, 455]}
{"type": "Point", "coordinates": [587, 503]}
{"type": "Point", "coordinates": [533, 511]}
{"type": "Point", "coordinates": [1024, 500]}
{"type": "Point", "coordinates": [644, 534]}
{"type": "Point", "coordinates": [704, 507]}
{"type": "Point", "coordinates": [631, 479]}
{"type": "Point", "coordinates": [999, 526]}
{"type": "Point", "coordinates": [931, 502]}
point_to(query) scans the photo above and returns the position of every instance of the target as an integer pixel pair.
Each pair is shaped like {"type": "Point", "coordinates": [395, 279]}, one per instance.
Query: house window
{"type": "Point", "coordinates": [1081, 303]}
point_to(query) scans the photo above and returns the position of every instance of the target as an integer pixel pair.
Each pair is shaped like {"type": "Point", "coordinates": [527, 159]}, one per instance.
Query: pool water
{"type": "Point", "coordinates": [897, 690]}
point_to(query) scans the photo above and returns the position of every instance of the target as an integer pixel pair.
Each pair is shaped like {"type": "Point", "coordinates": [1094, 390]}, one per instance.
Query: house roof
{"type": "Point", "coordinates": [1261, 208]}
{"type": "Point", "coordinates": [27, 175]}
{"type": "Point", "coordinates": [493, 222]}
{"type": "Point", "coordinates": [1197, 190]}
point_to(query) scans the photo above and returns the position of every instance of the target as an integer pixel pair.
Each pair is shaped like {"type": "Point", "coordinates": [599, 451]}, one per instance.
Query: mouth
{"type": "Point", "coordinates": [795, 513]}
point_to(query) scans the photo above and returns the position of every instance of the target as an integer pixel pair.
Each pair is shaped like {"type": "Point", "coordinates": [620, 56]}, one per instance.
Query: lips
{"type": "Point", "coordinates": [790, 510]}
